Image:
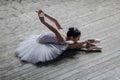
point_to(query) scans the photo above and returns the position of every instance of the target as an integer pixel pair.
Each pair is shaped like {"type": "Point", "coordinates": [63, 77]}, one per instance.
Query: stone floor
{"type": "Point", "coordinates": [95, 18]}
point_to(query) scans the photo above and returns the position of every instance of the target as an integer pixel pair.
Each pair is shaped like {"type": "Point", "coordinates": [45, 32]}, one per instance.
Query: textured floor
{"type": "Point", "coordinates": [95, 18]}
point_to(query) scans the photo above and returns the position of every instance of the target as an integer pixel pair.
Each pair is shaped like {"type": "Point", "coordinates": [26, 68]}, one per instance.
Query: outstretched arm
{"type": "Point", "coordinates": [78, 45]}
{"type": "Point", "coordinates": [58, 35]}
{"type": "Point", "coordinates": [54, 20]}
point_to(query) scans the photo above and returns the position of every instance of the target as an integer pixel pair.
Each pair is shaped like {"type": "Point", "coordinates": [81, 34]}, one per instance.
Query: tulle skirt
{"type": "Point", "coordinates": [31, 50]}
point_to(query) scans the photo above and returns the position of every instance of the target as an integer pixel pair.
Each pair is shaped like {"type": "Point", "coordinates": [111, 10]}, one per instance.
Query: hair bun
{"type": "Point", "coordinates": [71, 29]}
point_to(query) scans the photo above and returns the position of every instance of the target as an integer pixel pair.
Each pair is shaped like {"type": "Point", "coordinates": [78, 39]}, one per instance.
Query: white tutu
{"type": "Point", "coordinates": [33, 51]}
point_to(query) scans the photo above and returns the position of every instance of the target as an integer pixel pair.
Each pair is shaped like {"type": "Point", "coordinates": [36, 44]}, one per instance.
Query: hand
{"type": "Point", "coordinates": [39, 11]}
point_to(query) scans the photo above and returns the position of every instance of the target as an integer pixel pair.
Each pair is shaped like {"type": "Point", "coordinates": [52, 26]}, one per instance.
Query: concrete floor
{"type": "Point", "coordinates": [95, 18]}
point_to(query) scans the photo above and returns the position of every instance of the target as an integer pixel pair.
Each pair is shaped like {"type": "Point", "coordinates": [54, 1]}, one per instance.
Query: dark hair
{"type": "Point", "coordinates": [73, 32]}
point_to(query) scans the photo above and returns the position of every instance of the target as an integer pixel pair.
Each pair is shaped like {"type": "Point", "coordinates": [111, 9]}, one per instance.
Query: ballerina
{"type": "Point", "coordinates": [49, 45]}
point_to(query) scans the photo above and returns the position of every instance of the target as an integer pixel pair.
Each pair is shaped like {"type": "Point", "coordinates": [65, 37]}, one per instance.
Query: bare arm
{"type": "Point", "coordinates": [58, 35]}
{"type": "Point", "coordinates": [54, 20]}
{"type": "Point", "coordinates": [77, 45]}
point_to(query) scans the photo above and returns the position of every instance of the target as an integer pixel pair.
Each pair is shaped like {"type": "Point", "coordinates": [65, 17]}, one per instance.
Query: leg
{"type": "Point", "coordinates": [92, 47]}
{"type": "Point", "coordinates": [88, 45]}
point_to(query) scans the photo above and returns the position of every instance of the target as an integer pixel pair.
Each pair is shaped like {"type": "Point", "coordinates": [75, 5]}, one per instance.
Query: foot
{"type": "Point", "coordinates": [94, 40]}
{"type": "Point", "coordinates": [94, 48]}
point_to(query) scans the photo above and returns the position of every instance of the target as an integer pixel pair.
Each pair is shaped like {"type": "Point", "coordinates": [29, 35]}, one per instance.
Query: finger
{"type": "Point", "coordinates": [39, 10]}
{"type": "Point", "coordinates": [36, 11]}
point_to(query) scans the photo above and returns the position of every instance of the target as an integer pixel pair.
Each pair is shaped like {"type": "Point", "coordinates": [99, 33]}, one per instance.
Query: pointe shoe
{"type": "Point", "coordinates": [94, 40]}
{"type": "Point", "coordinates": [94, 48]}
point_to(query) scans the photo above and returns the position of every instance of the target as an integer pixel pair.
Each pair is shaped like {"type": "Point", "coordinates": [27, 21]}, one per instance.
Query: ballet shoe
{"type": "Point", "coordinates": [94, 49]}
{"type": "Point", "coordinates": [94, 40]}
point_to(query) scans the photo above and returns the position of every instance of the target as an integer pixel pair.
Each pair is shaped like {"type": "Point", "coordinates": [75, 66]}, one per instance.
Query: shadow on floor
{"type": "Point", "coordinates": [65, 55]}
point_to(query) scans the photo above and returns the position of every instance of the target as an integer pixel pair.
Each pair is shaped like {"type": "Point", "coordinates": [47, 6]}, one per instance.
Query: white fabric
{"type": "Point", "coordinates": [48, 37]}
{"type": "Point", "coordinates": [33, 51]}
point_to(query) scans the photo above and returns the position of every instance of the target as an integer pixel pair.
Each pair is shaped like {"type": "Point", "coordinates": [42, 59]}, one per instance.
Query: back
{"type": "Point", "coordinates": [48, 37]}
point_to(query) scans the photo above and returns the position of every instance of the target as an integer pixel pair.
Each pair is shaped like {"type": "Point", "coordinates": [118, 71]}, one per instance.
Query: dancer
{"type": "Point", "coordinates": [49, 45]}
